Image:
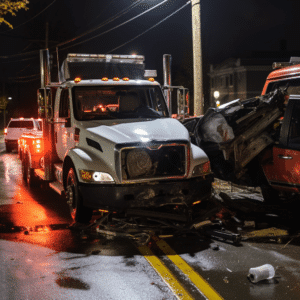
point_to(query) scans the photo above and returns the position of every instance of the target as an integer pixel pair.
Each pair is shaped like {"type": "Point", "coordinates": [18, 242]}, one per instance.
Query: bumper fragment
{"type": "Point", "coordinates": [154, 194]}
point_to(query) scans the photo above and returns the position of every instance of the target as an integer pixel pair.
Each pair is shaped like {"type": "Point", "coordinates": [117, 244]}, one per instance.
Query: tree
{"type": "Point", "coordinates": [11, 7]}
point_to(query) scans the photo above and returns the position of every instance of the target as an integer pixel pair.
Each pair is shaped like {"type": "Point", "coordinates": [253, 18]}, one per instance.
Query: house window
{"type": "Point", "coordinates": [231, 79]}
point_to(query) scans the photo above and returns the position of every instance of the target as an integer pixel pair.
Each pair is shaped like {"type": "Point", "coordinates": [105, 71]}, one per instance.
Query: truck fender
{"type": "Point", "coordinates": [197, 157]}
{"type": "Point", "coordinates": [83, 159]}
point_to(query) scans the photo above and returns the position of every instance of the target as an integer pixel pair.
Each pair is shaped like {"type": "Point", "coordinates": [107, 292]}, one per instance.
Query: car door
{"type": "Point", "coordinates": [284, 171]}
{"type": "Point", "coordinates": [64, 132]}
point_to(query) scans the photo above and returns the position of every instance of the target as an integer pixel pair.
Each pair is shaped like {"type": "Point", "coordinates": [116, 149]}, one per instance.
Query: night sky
{"type": "Point", "coordinates": [230, 28]}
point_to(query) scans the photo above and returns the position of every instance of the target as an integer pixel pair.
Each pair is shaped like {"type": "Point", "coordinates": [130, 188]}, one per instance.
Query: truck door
{"type": "Point", "coordinates": [284, 172]}
{"type": "Point", "coordinates": [64, 132]}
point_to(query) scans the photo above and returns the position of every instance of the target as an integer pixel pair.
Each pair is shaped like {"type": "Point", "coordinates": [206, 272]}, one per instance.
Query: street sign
{"type": "Point", "coordinates": [3, 102]}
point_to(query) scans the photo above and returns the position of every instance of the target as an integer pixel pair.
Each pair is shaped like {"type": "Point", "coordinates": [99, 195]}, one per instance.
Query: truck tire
{"type": "Point", "coordinates": [24, 168]}
{"type": "Point", "coordinates": [8, 148]}
{"type": "Point", "coordinates": [32, 180]}
{"type": "Point", "coordinates": [78, 211]}
{"type": "Point", "coordinates": [270, 195]}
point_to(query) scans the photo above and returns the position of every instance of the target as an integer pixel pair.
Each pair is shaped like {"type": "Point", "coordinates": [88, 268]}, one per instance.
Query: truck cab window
{"type": "Point", "coordinates": [294, 132]}
{"type": "Point", "coordinates": [64, 105]}
{"type": "Point", "coordinates": [118, 102]}
{"type": "Point", "coordinates": [293, 86]}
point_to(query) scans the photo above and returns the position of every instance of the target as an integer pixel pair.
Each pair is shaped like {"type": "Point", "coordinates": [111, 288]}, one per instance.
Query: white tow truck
{"type": "Point", "coordinates": [109, 143]}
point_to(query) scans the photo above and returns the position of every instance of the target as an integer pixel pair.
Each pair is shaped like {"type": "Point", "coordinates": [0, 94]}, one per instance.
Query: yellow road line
{"type": "Point", "coordinates": [165, 274]}
{"type": "Point", "coordinates": [203, 286]}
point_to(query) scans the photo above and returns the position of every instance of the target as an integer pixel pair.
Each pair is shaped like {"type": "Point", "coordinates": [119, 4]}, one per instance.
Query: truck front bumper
{"type": "Point", "coordinates": [155, 194]}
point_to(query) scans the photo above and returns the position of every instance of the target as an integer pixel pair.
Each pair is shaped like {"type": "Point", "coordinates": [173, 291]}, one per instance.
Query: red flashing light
{"type": "Point", "coordinates": [197, 202]}
{"type": "Point", "coordinates": [206, 167]}
{"type": "Point", "coordinates": [77, 79]}
{"type": "Point", "coordinates": [104, 79]}
{"type": "Point", "coordinates": [37, 145]}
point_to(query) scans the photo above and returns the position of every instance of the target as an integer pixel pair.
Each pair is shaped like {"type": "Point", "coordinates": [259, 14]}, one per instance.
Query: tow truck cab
{"type": "Point", "coordinates": [110, 144]}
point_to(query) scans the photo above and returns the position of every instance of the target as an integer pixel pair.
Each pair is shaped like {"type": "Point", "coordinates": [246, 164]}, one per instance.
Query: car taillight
{"type": "Point", "coordinates": [37, 146]}
{"type": "Point", "coordinates": [5, 131]}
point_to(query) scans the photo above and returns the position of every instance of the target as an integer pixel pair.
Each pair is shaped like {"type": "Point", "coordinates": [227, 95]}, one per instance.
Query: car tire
{"type": "Point", "coordinates": [78, 211]}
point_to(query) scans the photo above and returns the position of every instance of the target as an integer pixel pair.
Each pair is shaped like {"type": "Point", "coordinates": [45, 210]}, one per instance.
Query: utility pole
{"type": "Point", "coordinates": [4, 111]}
{"type": "Point", "coordinates": [197, 58]}
{"type": "Point", "coordinates": [47, 35]}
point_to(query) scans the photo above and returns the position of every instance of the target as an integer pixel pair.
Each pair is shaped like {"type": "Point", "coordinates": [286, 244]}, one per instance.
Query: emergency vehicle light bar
{"type": "Point", "coordinates": [294, 60]}
{"type": "Point", "coordinates": [78, 57]}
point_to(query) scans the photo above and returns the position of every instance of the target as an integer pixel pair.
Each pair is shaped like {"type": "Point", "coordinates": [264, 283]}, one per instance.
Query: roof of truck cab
{"type": "Point", "coordinates": [112, 82]}
{"type": "Point", "coordinates": [290, 71]}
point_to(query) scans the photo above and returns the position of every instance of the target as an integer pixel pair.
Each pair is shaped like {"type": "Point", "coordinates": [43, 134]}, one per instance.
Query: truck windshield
{"type": "Point", "coordinates": [118, 102]}
{"type": "Point", "coordinates": [292, 85]}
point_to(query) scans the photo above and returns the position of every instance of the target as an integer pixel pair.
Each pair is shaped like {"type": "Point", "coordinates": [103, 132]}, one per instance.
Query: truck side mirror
{"type": "Point", "coordinates": [182, 102]}
{"type": "Point", "coordinates": [44, 100]}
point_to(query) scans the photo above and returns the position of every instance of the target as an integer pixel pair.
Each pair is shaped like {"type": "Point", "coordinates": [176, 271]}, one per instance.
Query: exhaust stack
{"type": "Point", "coordinates": [167, 58]}
{"type": "Point", "coordinates": [45, 68]}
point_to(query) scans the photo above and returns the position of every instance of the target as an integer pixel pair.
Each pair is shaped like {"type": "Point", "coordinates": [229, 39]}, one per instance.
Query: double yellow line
{"type": "Point", "coordinates": [179, 291]}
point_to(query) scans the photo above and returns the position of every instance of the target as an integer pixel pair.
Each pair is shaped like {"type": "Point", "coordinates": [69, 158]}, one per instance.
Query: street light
{"type": "Point", "coordinates": [216, 96]}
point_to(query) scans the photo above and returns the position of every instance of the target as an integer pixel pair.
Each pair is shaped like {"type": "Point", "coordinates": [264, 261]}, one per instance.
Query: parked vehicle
{"type": "Point", "coordinates": [16, 127]}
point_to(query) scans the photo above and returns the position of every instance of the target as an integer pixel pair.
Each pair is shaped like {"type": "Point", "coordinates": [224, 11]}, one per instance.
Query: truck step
{"type": "Point", "coordinates": [57, 187]}
{"type": "Point", "coordinates": [58, 166]}
{"type": "Point", "coordinates": [40, 173]}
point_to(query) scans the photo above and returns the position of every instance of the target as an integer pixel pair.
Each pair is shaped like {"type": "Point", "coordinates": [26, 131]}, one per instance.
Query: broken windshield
{"type": "Point", "coordinates": [118, 102]}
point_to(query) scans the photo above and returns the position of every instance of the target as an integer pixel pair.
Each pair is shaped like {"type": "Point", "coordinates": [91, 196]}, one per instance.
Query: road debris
{"type": "Point", "coordinates": [257, 274]}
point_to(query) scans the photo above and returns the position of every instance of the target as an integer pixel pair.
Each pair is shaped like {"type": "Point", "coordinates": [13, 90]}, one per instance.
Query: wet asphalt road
{"type": "Point", "coordinates": [41, 258]}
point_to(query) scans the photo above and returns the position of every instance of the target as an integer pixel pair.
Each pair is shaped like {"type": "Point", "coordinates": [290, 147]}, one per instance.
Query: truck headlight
{"type": "Point", "coordinates": [202, 169]}
{"type": "Point", "coordinates": [94, 176]}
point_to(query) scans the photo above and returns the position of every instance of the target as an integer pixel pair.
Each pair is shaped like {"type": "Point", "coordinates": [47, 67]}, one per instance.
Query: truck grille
{"type": "Point", "coordinates": [158, 161]}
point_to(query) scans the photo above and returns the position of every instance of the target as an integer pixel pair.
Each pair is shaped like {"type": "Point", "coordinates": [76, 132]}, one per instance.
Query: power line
{"type": "Point", "coordinates": [29, 19]}
{"type": "Point", "coordinates": [113, 18]}
{"type": "Point", "coordinates": [14, 61]}
{"type": "Point", "coordinates": [63, 43]}
{"type": "Point", "coordinates": [146, 11]}
{"type": "Point", "coordinates": [20, 54]}
{"type": "Point", "coordinates": [175, 12]}
{"type": "Point", "coordinates": [116, 16]}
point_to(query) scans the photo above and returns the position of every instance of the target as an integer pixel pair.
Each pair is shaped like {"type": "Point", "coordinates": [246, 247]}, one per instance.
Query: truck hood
{"type": "Point", "coordinates": [138, 131]}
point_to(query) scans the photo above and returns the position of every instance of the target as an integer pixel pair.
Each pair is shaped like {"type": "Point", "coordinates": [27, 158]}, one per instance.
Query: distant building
{"type": "Point", "coordinates": [237, 78]}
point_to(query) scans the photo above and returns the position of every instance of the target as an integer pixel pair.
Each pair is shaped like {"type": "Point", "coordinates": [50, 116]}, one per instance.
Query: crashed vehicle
{"type": "Point", "coordinates": [109, 144]}
{"type": "Point", "coordinates": [246, 140]}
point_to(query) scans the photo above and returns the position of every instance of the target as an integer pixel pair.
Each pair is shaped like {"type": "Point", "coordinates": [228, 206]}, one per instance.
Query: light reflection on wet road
{"type": "Point", "coordinates": [42, 259]}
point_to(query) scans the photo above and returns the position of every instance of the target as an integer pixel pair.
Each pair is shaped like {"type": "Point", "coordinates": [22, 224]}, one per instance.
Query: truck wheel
{"type": "Point", "coordinates": [270, 195]}
{"type": "Point", "coordinates": [79, 212]}
{"type": "Point", "coordinates": [8, 148]}
{"type": "Point", "coordinates": [24, 169]}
